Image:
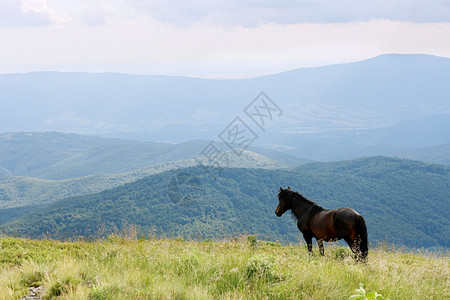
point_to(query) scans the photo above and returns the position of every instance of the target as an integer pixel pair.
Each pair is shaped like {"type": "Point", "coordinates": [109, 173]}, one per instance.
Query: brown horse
{"type": "Point", "coordinates": [325, 224]}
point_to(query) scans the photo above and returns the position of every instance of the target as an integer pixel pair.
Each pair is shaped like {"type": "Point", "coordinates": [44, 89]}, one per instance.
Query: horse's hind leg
{"type": "Point", "coordinates": [359, 255]}
{"type": "Point", "coordinates": [320, 244]}
{"type": "Point", "coordinates": [356, 249]}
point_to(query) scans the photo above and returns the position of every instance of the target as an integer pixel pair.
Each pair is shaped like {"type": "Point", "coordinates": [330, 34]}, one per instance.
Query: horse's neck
{"type": "Point", "coordinates": [300, 207]}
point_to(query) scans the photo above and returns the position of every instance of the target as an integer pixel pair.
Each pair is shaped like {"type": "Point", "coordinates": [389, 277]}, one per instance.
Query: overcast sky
{"type": "Point", "coordinates": [218, 38]}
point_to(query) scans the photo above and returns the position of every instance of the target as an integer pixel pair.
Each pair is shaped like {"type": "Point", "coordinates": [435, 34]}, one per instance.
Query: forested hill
{"type": "Point", "coordinates": [403, 201]}
{"type": "Point", "coordinates": [22, 191]}
{"type": "Point", "coordinates": [57, 156]}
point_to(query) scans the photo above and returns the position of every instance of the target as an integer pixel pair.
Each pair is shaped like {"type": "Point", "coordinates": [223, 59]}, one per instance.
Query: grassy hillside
{"type": "Point", "coordinates": [242, 268]}
{"type": "Point", "coordinates": [403, 201]}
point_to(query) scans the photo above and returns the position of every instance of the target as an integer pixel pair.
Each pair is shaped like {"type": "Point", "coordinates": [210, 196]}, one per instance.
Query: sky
{"type": "Point", "coordinates": [213, 39]}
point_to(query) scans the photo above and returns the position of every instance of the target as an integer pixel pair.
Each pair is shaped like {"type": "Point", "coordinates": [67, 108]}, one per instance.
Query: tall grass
{"type": "Point", "coordinates": [119, 268]}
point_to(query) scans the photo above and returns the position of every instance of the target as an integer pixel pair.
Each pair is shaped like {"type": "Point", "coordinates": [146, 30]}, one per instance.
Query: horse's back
{"type": "Point", "coordinates": [346, 214]}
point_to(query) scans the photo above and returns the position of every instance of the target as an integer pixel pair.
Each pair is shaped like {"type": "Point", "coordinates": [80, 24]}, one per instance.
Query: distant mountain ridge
{"type": "Point", "coordinates": [407, 139]}
{"type": "Point", "coordinates": [387, 105]}
{"type": "Point", "coordinates": [334, 112]}
{"type": "Point", "coordinates": [52, 155]}
{"type": "Point", "coordinates": [376, 92]}
{"type": "Point", "coordinates": [437, 154]}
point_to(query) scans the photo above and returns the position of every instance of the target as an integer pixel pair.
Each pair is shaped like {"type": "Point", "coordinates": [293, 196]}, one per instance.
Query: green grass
{"type": "Point", "coordinates": [243, 268]}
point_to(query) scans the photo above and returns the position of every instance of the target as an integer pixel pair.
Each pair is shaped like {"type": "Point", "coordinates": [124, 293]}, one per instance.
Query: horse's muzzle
{"type": "Point", "coordinates": [278, 213]}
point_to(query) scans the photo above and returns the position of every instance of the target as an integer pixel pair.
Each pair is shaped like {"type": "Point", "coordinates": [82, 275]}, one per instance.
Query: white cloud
{"type": "Point", "coordinates": [29, 13]}
{"type": "Point", "coordinates": [213, 38]}
{"type": "Point", "coordinates": [13, 15]}
{"type": "Point", "coordinates": [230, 13]}
{"type": "Point", "coordinates": [252, 13]}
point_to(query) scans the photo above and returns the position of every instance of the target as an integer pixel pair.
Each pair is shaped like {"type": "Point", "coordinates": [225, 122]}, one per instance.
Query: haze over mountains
{"type": "Point", "coordinates": [390, 104]}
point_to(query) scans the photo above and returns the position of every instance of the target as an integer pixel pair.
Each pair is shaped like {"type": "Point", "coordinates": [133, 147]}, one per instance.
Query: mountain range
{"type": "Point", "coordinates": [404, 202]}
{"type": "Point", "coordinates": [390, 105]}
{"type": "Point", "coordinates": [163, 154]}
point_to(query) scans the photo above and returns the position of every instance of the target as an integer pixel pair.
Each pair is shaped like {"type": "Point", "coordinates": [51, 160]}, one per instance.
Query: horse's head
{"type": "Point", "coordinates": [284, 201]}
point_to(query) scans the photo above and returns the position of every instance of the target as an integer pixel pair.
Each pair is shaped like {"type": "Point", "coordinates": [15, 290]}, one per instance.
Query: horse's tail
{"type": "Point", "coordinates": [361, 232]}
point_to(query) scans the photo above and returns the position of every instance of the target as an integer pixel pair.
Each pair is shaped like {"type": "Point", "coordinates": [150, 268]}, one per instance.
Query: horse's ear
{"type": "Point", "coordinates": [281, 189]}
{"type": "Point", "coordinates": [289, 188]}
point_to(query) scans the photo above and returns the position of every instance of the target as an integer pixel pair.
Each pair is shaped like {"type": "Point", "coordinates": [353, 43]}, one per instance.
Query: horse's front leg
{"type": "Point", "coordinates": [308, 240]}
{"type": "Point", "coordinates": [320, 244]}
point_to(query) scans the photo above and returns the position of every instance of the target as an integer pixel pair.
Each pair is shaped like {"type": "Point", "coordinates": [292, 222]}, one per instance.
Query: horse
{"type": "Point", "coordinates": [327, 225]}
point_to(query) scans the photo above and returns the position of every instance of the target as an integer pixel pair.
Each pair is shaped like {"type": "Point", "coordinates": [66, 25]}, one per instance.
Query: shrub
{"type": "Point", "coordinates": [32, 279]}
{"type": "Point", "coordinates": [341, 253]}
{"type": "Point", "coordinates": [62, 286]}
{"type": "Point", "coordinates": [55, 290]}
{"type": "Point", "coordinates": [261, 267]}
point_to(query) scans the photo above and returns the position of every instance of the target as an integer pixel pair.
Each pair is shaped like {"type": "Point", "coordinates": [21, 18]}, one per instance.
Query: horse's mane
{"type": "Point", "coordinates": [299, 197]}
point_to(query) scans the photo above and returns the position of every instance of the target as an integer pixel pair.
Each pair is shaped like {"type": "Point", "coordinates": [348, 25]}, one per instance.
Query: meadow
{"type": "Point", "coordinates": [240, 268]}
